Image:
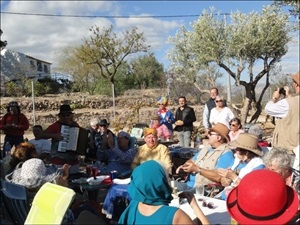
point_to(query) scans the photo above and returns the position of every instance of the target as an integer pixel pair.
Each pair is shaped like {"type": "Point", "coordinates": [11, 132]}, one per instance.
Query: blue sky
{"type": "Point", "coordinates": [44, 37]}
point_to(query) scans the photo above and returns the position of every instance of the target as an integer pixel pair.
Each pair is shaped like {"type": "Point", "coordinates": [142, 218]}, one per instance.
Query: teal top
{"type": "Point", "coordinates": [150, 185]}
{"type": "Point", "coordinates": [164, 215]}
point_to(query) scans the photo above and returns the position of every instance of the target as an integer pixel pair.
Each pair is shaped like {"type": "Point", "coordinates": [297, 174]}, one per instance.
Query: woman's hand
{"type": "Point", "coordinates": [189, 196]}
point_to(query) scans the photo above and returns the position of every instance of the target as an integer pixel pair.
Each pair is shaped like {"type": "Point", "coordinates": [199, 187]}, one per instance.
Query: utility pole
{"type": "Point", "coordinates": [228, 75]}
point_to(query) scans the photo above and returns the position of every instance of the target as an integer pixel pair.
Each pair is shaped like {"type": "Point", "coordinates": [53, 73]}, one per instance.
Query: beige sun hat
{"type": "Point", "coordinates": [248, 142]}
{"type": "Point", "coordinates": [222, 130]}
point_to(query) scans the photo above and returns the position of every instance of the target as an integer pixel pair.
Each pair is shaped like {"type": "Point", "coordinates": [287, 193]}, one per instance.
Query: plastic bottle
{"type": "Point", "coordinates": [7, 149]}
{"type": "Point", "coordinates": [198, 140]}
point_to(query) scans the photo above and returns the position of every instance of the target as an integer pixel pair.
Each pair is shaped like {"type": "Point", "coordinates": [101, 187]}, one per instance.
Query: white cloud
{"type": "Point", "coordinates": [43, 37]}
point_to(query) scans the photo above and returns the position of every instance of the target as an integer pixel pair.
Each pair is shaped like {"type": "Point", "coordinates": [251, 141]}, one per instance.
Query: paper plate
{"type": "Point", "coordinates": [97, 181]}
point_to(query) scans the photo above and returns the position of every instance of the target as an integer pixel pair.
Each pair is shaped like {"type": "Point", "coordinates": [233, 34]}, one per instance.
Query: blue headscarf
{"type": "Point", "coordinates": [149, 184]}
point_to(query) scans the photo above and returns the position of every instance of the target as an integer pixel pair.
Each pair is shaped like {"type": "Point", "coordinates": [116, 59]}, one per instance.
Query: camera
{"type": "Point", "coordinates": [282, 91]}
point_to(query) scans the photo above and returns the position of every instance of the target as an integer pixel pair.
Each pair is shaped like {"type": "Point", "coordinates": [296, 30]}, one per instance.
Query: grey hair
{"type": "Point", "coordinates": [219, 96]}
{"type": "Point", "coordinates": [256, 130]}
{"type": "Point", "coordinates": [94, 121]}
{"type": "Point", "coordinates": [279, 156]}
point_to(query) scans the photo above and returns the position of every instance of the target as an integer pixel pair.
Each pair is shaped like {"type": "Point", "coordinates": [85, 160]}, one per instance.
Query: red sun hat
{"type": "Point", "coordinates": [262, 197]}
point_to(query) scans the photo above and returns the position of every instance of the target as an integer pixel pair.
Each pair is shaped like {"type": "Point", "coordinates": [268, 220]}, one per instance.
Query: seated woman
{"type": "Point", "coordinates": [151, 193]}
{"type": "Point", "coordinates": [258, 131]}
{"type": "Point", "coordinates": [279, 161]}
{"type": "Point", "coordinates": [163, 132]}
{"type": "Point", "coordinates": [235, 129]}
{"type": "Point", "coordinates": [152, 150]}
{"type": "Point", "coordinates": [247, 159]}
{"type": "Point", "coordinates": [33, 173]}
{"type": "Point", "coordinates": [22, 152]}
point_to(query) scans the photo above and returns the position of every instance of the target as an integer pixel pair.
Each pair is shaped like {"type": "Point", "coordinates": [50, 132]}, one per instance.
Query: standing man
{"type": "Point", "coordinates": [209, 105]}
{"type": "Point", "coordinates": [14, 124]}
{"type": "Point", "coordinates": [184, 118]}
{"type": "Point", "coordinates": [287, 131]}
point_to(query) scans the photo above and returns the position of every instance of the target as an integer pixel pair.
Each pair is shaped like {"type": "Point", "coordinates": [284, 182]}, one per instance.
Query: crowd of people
{"type": "Point", "coordinates": [237, 162]}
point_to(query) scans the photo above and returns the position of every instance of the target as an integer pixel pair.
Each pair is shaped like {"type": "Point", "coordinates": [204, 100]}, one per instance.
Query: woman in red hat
{"type": "Point", "coordinates": [262, 197]}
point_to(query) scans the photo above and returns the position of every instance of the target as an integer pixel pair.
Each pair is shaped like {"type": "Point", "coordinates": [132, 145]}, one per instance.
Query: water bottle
{"type": "Point", "coordinates": [198, 140]}
{"type": "Point", "coordinates": [7, 149]}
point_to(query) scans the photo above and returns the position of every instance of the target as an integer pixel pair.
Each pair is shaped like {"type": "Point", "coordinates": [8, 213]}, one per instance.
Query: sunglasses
{"type": "Point", "coordinates": [218, 101]}
{"type": "Point", "coordinates": [209, 205]}
{"type": "Point", "coordinates": [65, 116]}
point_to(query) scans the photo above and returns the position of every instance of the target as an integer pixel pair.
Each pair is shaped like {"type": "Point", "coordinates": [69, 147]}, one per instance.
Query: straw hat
{"type": "Point", "coordinates": [248, 142]}
{"type": "Point", "coordinates": [222, 130]}
{"type": "Point", "coordinates": [262, 197]}
{"type": "Point", "coordinates": [33, 174]}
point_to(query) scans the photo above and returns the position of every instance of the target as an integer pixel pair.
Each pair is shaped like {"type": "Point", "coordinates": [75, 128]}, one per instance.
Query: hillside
{"type": "Point", "coordinates": [131, 108]}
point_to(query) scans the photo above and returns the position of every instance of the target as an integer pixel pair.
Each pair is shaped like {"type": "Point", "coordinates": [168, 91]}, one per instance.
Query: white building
{"type": "Point", "coordinates": [16, 65]}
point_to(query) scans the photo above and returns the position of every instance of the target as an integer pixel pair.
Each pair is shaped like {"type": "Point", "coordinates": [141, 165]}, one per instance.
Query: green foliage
{"type": "Point", "coordinates": [85, 76]}
{"type": "Point", "coordinates": [108, 51]}
{"type": "Point", "coordinates": [2, 43]}
{"type": "Point", "coordinates": [294, 6]}
{"type": "Point", "coordinates": [147, 72]}
{"type": "Point", "coordinates": [236, 47]}
{"type": "Point", "coordinates": [11, 89]}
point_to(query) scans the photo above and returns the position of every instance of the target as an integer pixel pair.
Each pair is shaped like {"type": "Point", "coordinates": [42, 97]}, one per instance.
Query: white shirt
{"type": "Point", "coordinates": [42, 145]}
{"type": "Point", "coordinates": [205, 116]}
{"type": "Point", "coordinates": [279, 109]}
{"type": "Point", "coordinates": [223, 116]}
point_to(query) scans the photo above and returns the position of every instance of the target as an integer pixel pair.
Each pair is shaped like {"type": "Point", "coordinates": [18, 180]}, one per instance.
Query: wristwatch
{"type": "Point", "coordinates": [198, 171]}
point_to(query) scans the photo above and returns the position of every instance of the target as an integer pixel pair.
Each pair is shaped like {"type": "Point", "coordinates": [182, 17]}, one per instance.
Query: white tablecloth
{"type": "Point", "coordinates": [218, 215]}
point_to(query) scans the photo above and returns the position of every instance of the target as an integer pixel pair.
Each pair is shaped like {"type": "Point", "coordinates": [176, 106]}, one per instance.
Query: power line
{"type": "Point", "coordinates": [96, 16]}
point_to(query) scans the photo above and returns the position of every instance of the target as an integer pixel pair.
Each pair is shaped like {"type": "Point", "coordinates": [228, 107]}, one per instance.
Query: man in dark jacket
{"type": "Point", "coordinates": [184, 118]}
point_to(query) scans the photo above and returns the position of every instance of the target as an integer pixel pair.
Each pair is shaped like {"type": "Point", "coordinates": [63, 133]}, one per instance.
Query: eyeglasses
{"type": "Point", "coordinates": [209, 205]}
{"type": "Point", "coordinates": [218, 101]}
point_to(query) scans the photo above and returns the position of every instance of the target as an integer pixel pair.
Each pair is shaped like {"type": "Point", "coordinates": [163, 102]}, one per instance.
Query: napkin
{"type": "Point", "coordinates": [122, 181]}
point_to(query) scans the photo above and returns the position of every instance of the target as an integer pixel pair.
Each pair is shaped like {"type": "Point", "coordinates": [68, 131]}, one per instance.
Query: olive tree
{"type": "Point", "coordinates": [147, 71]}
{"type": "Point", "coordinates": [85, 76]}
{"type": "Point", "coordinates": [108, 50]}
{"type": "Point", "coordinates": [250, 44]}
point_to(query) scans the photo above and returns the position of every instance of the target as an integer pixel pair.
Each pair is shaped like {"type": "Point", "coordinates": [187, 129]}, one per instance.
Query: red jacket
{"type": "Point", "coordinates": [19, 121]}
